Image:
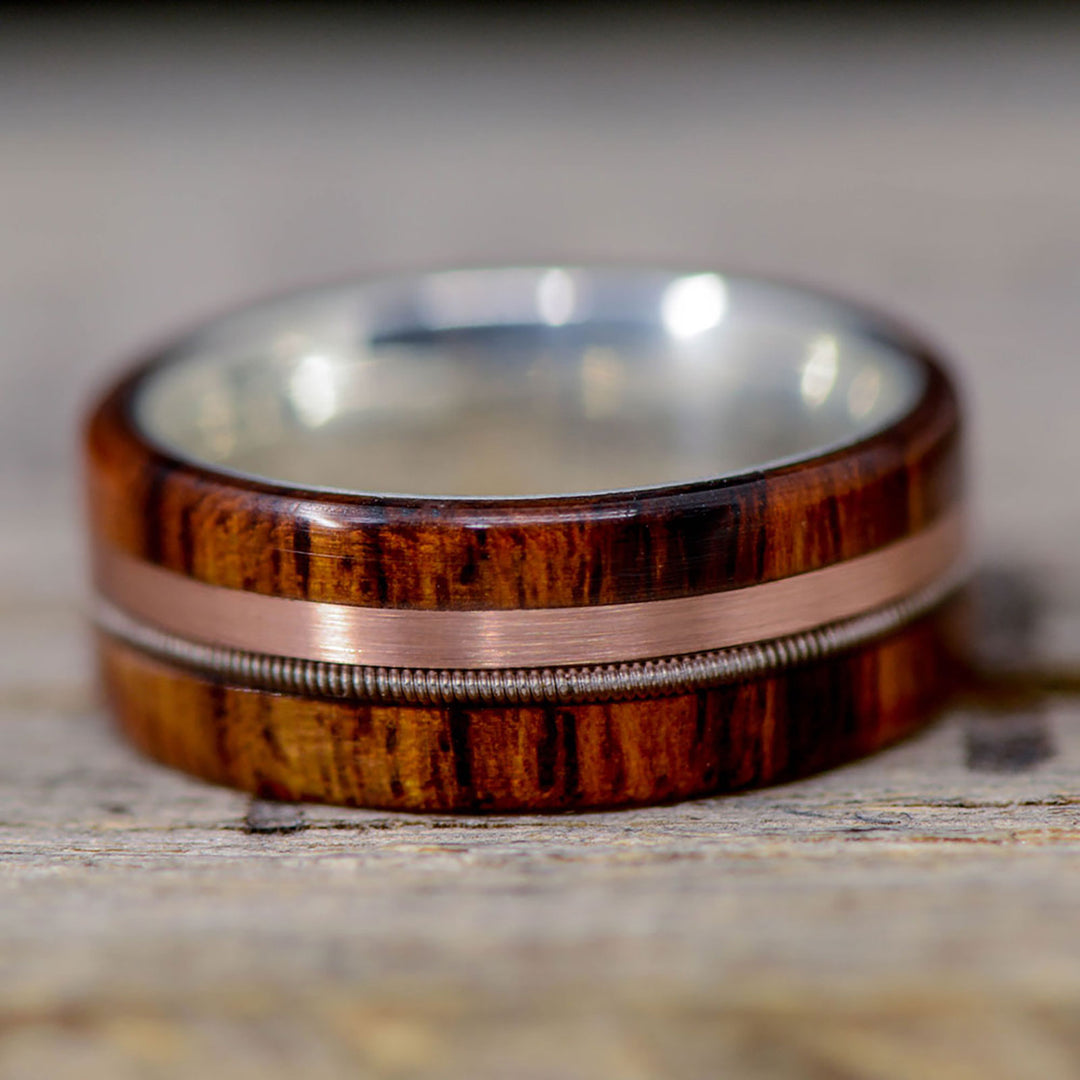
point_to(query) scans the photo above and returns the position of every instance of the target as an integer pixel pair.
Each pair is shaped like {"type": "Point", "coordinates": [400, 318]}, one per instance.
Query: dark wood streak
{"type": "Point", "coordinates": [186, 538]}
{"type": "Point", "coordinates": [301, 553]}
{"type": "Point", "coordinates": [570, 765]}
{"type": "Point", "coordinates": [547, 750]}
{"type": "Point", "coordinates": [153, 507]}
{"type": "Point", "coordinates": [459, 720]}
{"type": "Point", "coordinates": [218, 714]}
{"type": "Point", "coordinates": [269, 736]}
{"type": "Point", "coordinates": [612, 750]}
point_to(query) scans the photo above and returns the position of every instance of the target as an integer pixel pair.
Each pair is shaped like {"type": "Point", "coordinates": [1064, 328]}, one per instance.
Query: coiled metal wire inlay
{"type": "Point", "coordinates": [427, 686]}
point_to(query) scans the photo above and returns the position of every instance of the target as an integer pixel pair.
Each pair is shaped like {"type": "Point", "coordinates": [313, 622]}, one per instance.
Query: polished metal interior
{"type": "Point", "coordinates": [526, 382]}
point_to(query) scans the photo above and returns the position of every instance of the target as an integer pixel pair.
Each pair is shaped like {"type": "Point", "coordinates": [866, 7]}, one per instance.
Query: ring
{"type": "Point", "coordinates": [524, 539]}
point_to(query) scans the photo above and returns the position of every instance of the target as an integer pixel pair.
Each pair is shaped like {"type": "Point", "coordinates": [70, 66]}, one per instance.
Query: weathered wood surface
{"type": "Point", "coordinates": [915, 915]}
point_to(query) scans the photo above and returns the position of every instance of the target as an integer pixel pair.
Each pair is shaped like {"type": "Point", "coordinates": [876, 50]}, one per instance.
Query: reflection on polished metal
{"type": "Point", "coordinates": [518, 383]}
{"type": "Point", "coordinates": [531, 637]}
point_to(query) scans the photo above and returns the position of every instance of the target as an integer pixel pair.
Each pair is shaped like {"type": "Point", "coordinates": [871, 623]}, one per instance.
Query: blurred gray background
{"type": "Point", "coordinates": [156, 167]}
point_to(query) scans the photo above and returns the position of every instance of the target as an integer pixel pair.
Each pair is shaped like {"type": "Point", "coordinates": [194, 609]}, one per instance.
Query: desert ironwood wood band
{"type": "Point", "coordinates": [527, 638]}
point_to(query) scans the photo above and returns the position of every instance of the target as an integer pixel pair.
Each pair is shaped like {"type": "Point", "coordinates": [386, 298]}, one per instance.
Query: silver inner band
{"type": "Point", "coordinates": [527, 382]}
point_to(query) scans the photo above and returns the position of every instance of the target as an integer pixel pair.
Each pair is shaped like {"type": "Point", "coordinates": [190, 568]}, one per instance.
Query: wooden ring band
{"type": "Point", "coordinates": [623, 646]}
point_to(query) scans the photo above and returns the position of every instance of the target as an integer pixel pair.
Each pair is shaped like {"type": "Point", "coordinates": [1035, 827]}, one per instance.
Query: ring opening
{"type": "Point", "coordinates": [526, 382]}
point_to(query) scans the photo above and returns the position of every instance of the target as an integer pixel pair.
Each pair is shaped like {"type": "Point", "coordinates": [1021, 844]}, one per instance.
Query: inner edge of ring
{"type": "Point", "coordinates": [511, 298]}
{"type": "Point", "coordinates": [523, 686]}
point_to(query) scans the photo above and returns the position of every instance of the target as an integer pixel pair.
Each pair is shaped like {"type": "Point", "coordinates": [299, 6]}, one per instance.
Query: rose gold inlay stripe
{"type": "Point", "coordinates": [544, 637]}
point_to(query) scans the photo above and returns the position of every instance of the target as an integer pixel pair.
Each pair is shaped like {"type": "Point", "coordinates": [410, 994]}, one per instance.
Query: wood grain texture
{"type": "Point", "coordinates": [393, 552]}
{"type": "Point", "coordinates": [530, 553]}
{"type": "Point", "coordinates": [553, 757]}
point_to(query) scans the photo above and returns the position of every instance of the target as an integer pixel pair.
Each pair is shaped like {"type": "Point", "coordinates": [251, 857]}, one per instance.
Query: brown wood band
{"type": "Point", "coordinates": [310, 587]}
{"type": "Point", "coordinates": [487, 555]}
{"type": "Point", "coordinates": [538, 756]}
{"type": "Point", "coordinates": [529, 637]}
